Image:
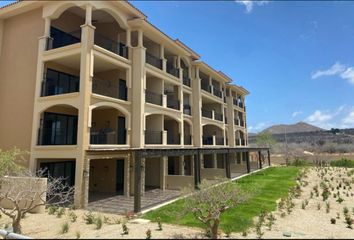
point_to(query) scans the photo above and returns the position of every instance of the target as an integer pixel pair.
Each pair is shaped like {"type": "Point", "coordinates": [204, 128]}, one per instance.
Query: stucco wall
{"type": "Point", "coordinates": [18, 65]}
{"type": "Point", "coordinates": [103, 175]}
{"type": "Point", "coordinates": [152, 172]}
{"type": "Point", "coordinates": [212, 173]}
{"type": "Point", "coordinates": [179, 182]}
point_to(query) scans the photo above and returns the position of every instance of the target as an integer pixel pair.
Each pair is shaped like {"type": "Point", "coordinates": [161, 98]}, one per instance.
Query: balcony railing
{"type": "Point", "coordinates": [153, 137]}
{"type": "Point", "coordinates": [219, 117]}
{"type": "Point", "coordinates": [240, 142]}
{"type": "Point", "coordinates": [59, 38]}
{"type": "Point", "coordinates": [186, 81]}
{"type": "Point", "coordinates": [108, 138]}
{"type": "Point", "coordinates": [240, 104]}
{"type": "Point", "coordinates": [153, 98]}
{"type": "Point", "coordinates": [173, 103]}
{"type": "Point", "coordinates": [242, 123]}
{"type": "Point", "coordinates": [206, 87]}
{"type": "Point", "coordinates": [173, 139]}
{"type": "Point", "coordinates": [207, 113]}
{"type": "Point", "coordinates": [237, 122]}
{"type": "Point", "coordinates": [110, 88]}
{"type": "Point", "coordinates": [173, 71]}
{"type": "Point", "coordinates": [56, 83]}
{"type": "Point", "coordinates": [217, 92]}
{"type": "Point", "coordinates": [219, 141]}
{"type": "Point", "coordinates": [187, 139]}
{"type": "Point", "coordinates": [154, 61]}
{"type": "Point", "coordinates": [235, 101]}
{"type": "Point", "coordinates": [111, 45]}
{"type": "Point", "coordinates": [208, 140]}
{"type": "Point", "coordinates": [187, 109]}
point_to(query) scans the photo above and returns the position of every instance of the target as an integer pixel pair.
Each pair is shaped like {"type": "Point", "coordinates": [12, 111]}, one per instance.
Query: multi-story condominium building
{"type": "Point", "coordinates": [86, 84]}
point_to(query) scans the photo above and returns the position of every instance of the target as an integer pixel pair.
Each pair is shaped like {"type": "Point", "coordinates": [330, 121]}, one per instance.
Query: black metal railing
{"type": "Point", "coordinates": [207, 113]}
{"type": "Point", "coordinates": [109, 88]}
{"type": "Point", "coordinates": [56, 83]}
{"type": "Point", "coordinates": [173, 71]}
{"type": "Point", "coordinates": [172, 103]}
{"type": "Point", "coordinates": [240, 104]}
{"type": "Point", "coordinates": [206, 87]}
{"type": "Point", "coordinates": [207, 140]}
{"type": "Point", "coordinates": [153, 137]}
{"type": "Point", "coordinates": [173, 139]}
{"type": "Point", "coordinates": [243, 142]}
{"type": "Point", "coordinates": [187, 109]}
{"type": "Point", "coordinates": [235, 101]}
{"type": "Point", "coordinates": [153, 60]}
{"type": "Point", "coordinates": [218, 116]}
{"type": "Point", "coordinates": [53, 136]}
{"type": "Point", "coordinates": [238, 142]}
{"type": "Point", "coordinates": [219, 141]}
{"type": "Point", "coordinates": [187, 139]}
{"type": "Point", "coordinates": [242, 123]}
{"type": "Point", "coordinates": [59, 38]}
{"type": "Point", "coordinates": [154, 98]}
{"type": "Point", "coordinates": [186, 81]}
{"type": "Point", "coordinates": [217, 92]}
{"type": "Point", "coordinates": [108, 138]}
{"type": "Point", "coordinates": [111, 45]}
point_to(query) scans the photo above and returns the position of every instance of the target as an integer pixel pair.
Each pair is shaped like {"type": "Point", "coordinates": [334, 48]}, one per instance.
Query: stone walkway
{"type": "Point", "coordinates": [119, 204]}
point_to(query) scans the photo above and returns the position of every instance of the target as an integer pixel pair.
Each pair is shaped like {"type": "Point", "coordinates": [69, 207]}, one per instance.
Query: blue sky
{"type": "Point", "coordinates": [296, 58]}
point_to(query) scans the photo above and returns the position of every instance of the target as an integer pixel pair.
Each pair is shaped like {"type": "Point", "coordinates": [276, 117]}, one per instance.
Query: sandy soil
{"type": "Point", "coordinates": [300, 223]}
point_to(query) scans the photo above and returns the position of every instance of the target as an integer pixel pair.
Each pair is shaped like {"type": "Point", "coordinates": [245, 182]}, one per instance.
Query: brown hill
{"type": "Point", "coordinates": [292, 128]}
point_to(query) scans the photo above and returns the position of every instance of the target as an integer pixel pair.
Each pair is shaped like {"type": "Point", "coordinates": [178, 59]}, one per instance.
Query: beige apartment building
{"type": "Point", "coordinates": [86, 84]}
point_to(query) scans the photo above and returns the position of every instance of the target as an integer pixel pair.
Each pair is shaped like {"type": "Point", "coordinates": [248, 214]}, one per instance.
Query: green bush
{"type": "Point", "coordinates": [298, 162]}
{"type": "Point", "coordinates": [342, 163]}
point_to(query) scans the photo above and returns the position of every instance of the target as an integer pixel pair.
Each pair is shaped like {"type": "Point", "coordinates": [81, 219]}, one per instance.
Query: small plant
{"type": "Point", "coordinates": [283, 214]}
{"type": "Point", "coordinates": [311, 195]}
{"type": "Point", "coordinates": [159, 224]}
{"type": "Point", "coordinates": [116, 221]}
{"type": "Point", "coordinates": [125, 229]}
{"type": "Point", "coordinates": [349, 222]}
{"type": "Point", "coordinates": [340, 200]}
{"type": "Point", "coordinates": [333, 221]}
{"type": "Point", "coordinates": [259, 230]}
{"type": "Point", "coordinates": [244, 234]}
{"type": "Point", "coordinates": [228, 231]}
{"type": "Point", "coordinates": [98, 222]}
{"type": "Point", "coordinates": [64, 228]}
{"type": "Point", "coordinates": [271, 220]}
{"type": "Point", "coordinates": [60, 212]}
{"type": "Point", "coordinates": [318, 206]}
{"type": "Point", "coordinates": [148, 234]}
{"type": "Point", "coordinates": [345, 211]}
{"type": "Point", "coordinates": [328, 207]}
{"type": "Point", "coordinates": [72, 216]}
{"type": "Point", "coordinates": [89, 218]}
{"type": "Point", "coordinates": [303, 205]}
{"type": "Point", "coordinates": [77, 235]}
{"type": "Point", "coordinates": [52, 209]}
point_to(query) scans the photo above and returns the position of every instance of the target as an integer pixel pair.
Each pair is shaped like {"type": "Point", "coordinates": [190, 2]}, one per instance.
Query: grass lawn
{"type": "Point", "coordinates": [268, 185]}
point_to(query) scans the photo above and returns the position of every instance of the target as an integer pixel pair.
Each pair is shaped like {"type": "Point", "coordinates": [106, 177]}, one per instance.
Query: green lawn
{"type": "Point", "coordinates": [268, 185]}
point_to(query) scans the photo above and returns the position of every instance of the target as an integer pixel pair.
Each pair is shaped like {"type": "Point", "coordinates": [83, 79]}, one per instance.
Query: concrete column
{"type": "Point", "coordinates": [137, 182]}
{"type": "Point", "coordinates": [226, 158]}
{"type": "Point", "coordinates": [215, 160]}
{"type": "Point", "coordinates": [86, 182]}
{"type": "Point", "coordinates": [86, 72]}
{"type": "Point", "coordinates": [248, 165]}
{"type": "Point", "coordinates": [230, 118]}
{"type": "Point", "coordinates": [197, 167]}
{"type": "Point", "coordinates": [196, 109]}
{"type": "Point", "coordinates": [126, 176]}
{"type": "Point", "coordinates": [143, 172]}
{"type": "Point", "coordinates": [163, 166]}
{"type": "Point", "coordinates": [181, 165]}
{"type": "Point", "coordinates": [268, 153]}
{"type": "Point", "coordinates": [260, 159]}
{"type": "Point", "coordinates": [138, 94]}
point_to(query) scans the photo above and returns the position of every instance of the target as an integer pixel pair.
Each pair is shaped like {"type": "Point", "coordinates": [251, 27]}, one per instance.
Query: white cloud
{"type": "Point", "coordinates": [257, 128]}
{"type": "Point", "coordinates": [319, 117]}
{"type": "Point", "coordinates": [336, 68]}
{"type": "Point", "coordinates": [249, 4]}
{"type": "Point", "coordinates": [346, 73]}
{"type": "Point", "coordinates": [296, 113]}
{"type": "Point", "coordinates": [349, 119]}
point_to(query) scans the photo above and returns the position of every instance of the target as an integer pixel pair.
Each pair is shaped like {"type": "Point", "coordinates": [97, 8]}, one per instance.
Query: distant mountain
{"type": "Point", "coordinates": [299, 127]}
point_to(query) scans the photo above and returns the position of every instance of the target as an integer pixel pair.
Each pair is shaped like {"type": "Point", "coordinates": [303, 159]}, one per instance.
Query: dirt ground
{"type": "Point", "coordinates": [300, 223]}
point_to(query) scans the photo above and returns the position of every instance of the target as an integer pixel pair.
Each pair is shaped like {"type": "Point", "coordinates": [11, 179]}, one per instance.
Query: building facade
{"type": "Point", "coordinates": [85, 83]}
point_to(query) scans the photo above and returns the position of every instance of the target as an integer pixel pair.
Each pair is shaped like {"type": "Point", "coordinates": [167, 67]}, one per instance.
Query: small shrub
{"type": "Point", "coordinates": [328, 207]}
{"type": "Point", "coordinates": [345, 211]}
{"type": "Point", "coordinates": [244, 234]}
{"type": "Point", "coordinates": [333, 221]}
{"type": "Point", "coordinates": [227, 231]}
{"type": "Point", "coordinates": [60, 212]}
{"type": "Point", "coordinates": [98, 222]}
{"type": "Point", "coordinates": [77, 235]}
{"type": "Point", "coordinates": [303, 205]}
{"type": "Point", "coordinates": [148, 234]}
{"type": "Point", "coordinates": [125, 229]}
{"type": "Point", "coordinates": [52, 209]}
{"type": "Point", "coordinates": [283, 214]}
{"type": "Point", "coordinates": [64, 228]}
{"type": "Point", "coordinates": [159, 224]}
{"type": "Point", "coordinates": [318, 206]}
{"type": "Point", "coordinates": [89, 218]}
{"type": "Point", "coordinates": [72, 216]}
{"type": "Point", "coordinates": [343, 163]}
{"type": "Point", "coordinates": [349, 221]}
{"type": "Point", "coordinates": [340, 200]}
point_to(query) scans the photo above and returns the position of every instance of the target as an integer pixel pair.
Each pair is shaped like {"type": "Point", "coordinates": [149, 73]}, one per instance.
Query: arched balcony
{"type": "Point", "coordinates": [162, 129]}
{"type": "Point", "coordinates": [240, 139]}
{"type": "Point", "coordinates": [212, 135]}
{"type": "Point", "coordinates": [108, 127]}
{"type": "Point", "coordinates": [58, 126]}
